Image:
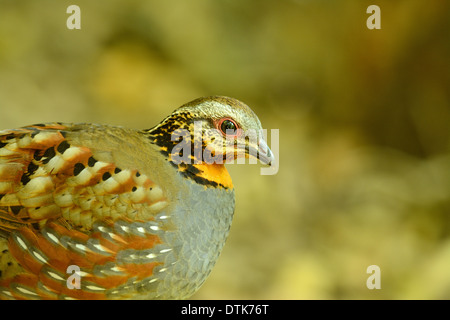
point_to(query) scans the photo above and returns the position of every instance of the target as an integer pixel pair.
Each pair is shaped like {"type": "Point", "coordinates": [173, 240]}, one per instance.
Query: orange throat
{"type": "Point", "coordinates": [215, 173]}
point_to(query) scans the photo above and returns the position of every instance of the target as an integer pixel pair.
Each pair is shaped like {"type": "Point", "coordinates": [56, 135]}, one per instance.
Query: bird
{"type": "Point", "coordinates": [90, 211]}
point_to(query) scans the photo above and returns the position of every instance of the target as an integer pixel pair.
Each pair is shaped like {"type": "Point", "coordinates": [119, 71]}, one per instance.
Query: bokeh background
{"type": "Point", "coordinates": [363, 117]}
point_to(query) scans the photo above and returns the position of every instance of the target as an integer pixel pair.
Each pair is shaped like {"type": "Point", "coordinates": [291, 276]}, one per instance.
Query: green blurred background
{"type": "Point", "coordinates": [363, 117]}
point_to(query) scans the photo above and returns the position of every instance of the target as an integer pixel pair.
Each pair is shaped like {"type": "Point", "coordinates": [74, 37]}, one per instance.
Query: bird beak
{"type": "Point", "coordinates": [265, 155]}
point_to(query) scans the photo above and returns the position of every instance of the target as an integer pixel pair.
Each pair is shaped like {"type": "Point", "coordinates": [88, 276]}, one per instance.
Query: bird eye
{"type": "Point", "coordinates": [228, 127]}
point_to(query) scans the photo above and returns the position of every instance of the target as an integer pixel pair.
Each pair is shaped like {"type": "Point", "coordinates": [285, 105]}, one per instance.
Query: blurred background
{"type": "Point", "coordinates": [363, 117]}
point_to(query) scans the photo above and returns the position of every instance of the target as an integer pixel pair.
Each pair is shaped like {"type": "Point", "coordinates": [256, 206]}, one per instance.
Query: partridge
{"type": "Point", "coordinates": [93, 211]}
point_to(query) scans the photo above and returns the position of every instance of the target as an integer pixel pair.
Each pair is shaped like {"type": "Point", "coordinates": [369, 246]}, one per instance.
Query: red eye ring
{"type": "Point", "coordinates": [228, 127]}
